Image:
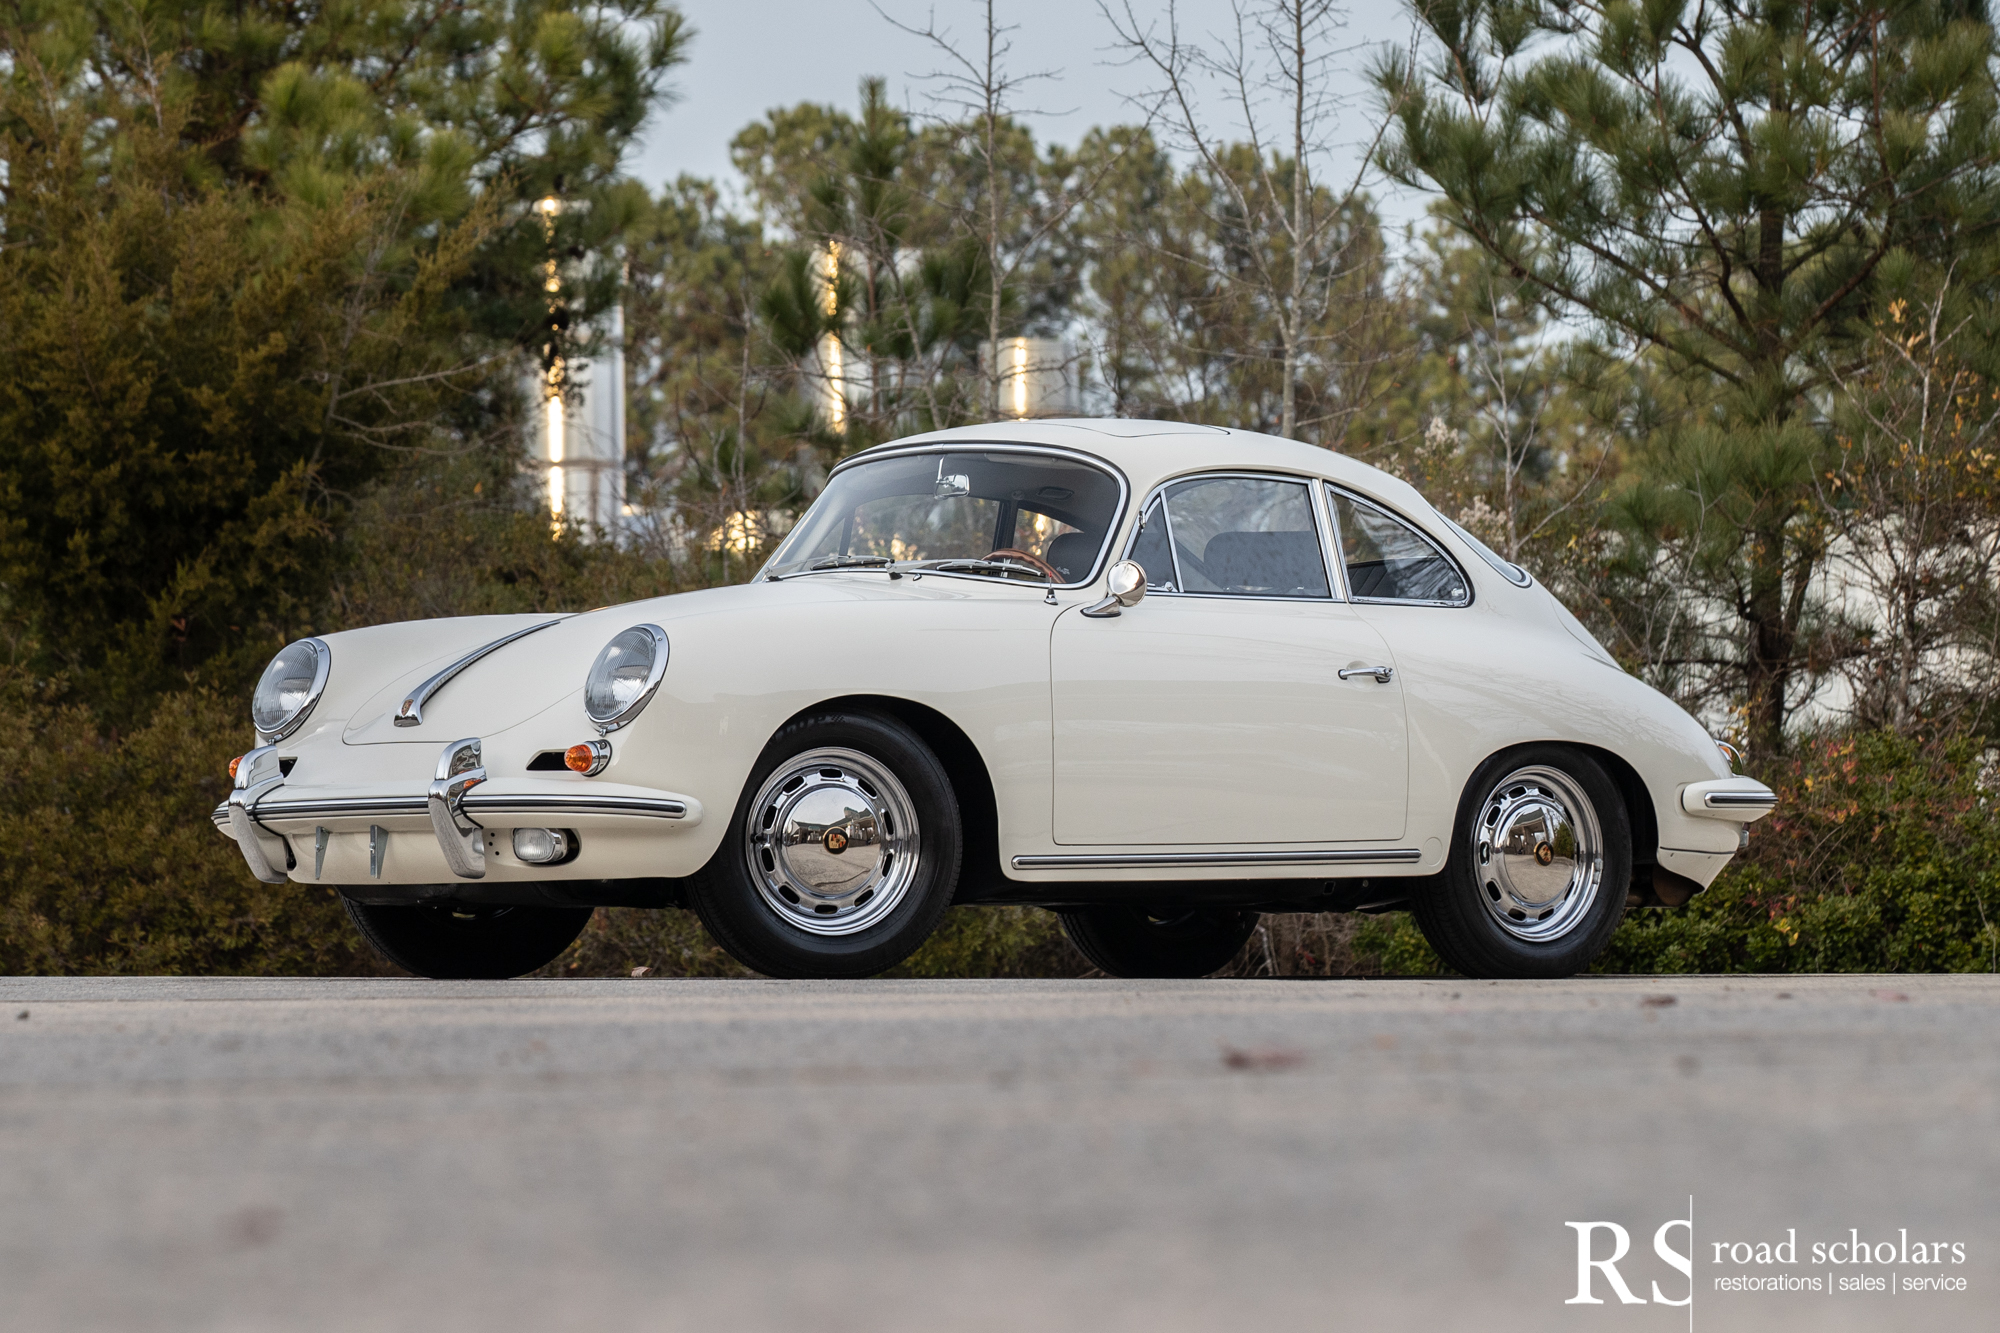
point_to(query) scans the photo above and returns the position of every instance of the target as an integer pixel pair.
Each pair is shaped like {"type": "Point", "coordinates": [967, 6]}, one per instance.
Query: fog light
{"type": "Point", "coordinates": [540, 846]}
{"type": "Point", "coordinates": [588, 758]}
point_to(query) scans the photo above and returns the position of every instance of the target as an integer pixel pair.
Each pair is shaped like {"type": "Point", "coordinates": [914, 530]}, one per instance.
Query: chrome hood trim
{"type": "Point", "coordinates": [411, 713]}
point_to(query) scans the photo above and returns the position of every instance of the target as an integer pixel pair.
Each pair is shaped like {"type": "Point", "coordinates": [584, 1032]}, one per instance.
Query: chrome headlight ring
{"type": "Point", "coordinates": [273, 717]}
{"type": "Point", "coordinates": [625, 676]}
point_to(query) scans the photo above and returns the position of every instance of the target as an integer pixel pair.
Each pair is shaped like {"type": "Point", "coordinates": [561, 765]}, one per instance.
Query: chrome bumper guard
{"type": "Point", "coordinates": [460, 837]}
{"type": "Point", "coordinates": [256, 773]}
{"type": "Point", "coordinates": [1743, 800]}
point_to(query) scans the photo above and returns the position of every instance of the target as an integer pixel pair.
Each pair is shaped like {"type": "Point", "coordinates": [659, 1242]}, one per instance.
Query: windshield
{"type": "Point", "coordinates": [1035, 517]}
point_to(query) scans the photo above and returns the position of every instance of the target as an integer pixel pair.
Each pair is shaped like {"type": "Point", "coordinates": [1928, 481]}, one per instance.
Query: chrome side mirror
{"type": "Point", "coordinates": [1127, 586]}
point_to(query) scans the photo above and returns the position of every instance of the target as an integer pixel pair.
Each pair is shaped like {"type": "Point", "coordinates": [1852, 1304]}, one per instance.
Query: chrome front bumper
{"type": "Point", "coordinates": [265, 816]}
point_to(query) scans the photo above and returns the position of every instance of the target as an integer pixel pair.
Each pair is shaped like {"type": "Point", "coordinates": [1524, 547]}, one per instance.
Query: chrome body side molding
{"type": "Point", "coordinates": [411, 713]}
{"type": "Point", "coordinates": [1199, 860]}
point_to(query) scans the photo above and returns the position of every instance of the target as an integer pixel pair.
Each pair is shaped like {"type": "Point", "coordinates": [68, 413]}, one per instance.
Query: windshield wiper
{"type": "Point", "coordinates": [1008, 568]}
{"type": "Point", "coordinates": [851, 562]}
{"type": "Point", "coordinates": [881, 562]}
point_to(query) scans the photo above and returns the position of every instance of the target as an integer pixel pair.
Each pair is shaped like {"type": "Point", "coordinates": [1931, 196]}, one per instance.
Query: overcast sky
{"type": "Point", "coordinates": [749, 56]}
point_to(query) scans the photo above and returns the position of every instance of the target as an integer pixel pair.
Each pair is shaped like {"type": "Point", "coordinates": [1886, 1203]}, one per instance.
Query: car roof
{"type": "Point", "coordinates": [1149, 452]}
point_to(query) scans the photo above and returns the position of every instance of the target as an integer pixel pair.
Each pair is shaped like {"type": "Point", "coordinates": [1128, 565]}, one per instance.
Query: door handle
{"type": "Point", "coordinates": [1383, 675]}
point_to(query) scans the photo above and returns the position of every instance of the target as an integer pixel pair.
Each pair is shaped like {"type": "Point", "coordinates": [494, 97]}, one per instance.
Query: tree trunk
{"type": "Point", "coordinates": [1288, 422]}
{"type": "Point", "coordinates": [1768, 670]}
{"type": "Point", "coordinates": [992, 228]}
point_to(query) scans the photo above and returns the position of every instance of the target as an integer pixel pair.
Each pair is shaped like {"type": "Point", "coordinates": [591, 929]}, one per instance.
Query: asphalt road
{"type": "Point", "coordinates": [1094, 1155]}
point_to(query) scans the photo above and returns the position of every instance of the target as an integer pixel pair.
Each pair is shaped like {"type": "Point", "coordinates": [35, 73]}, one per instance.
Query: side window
{"type": "Point", "coordinates": [1390, 561]}
{"type": "Point", "coordinates": [1244, 537]}
{"type": "Point", "coordinates": [1150, 550]}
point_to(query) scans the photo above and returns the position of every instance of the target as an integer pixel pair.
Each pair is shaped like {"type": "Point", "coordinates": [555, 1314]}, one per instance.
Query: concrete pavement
{"type": "Point", "coordinates": [1105, 1155]}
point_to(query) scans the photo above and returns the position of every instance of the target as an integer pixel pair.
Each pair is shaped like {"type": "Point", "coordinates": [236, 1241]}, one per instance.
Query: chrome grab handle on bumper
{"type": "Point", "coordinates": [256, 773]}
{"type": "Point", "coordinates": [459, 836]}
{"type": "Point", "coordinates": [411, 713]}
{"type": "Point", "coordinates": [1383, 674]}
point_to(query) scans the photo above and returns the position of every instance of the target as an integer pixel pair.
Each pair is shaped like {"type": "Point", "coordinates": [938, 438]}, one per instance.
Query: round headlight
{"type": "Point", "coordinates": [290, 686]}
{"type": "Point", "coordinates": [625, 675]}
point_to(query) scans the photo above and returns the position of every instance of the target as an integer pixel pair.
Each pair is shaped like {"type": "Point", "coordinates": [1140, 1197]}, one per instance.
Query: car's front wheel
{"type": "Point", "coordinates": [1158, 941]}
{"type": "Point", "coordinates": [454, 941]}
{"type": "Point", "coordinates": [842, 854]}
{"type": "Point", "coordinates": [1540, 863]}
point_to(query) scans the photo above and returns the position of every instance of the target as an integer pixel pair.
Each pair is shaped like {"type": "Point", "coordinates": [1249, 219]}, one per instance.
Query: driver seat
{"type": "Point", "coordinates": [1071, 554]}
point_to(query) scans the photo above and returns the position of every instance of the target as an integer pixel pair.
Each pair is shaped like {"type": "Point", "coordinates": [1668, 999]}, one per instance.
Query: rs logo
{"type": "Point", "coordinates": [1621, 1244]}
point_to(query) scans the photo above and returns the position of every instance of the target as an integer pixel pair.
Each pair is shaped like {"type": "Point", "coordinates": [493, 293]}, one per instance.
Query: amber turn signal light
{"type": "Point", "coordinates": [233, 765]}
{"type": "Point", "coordinates": [589, 758]}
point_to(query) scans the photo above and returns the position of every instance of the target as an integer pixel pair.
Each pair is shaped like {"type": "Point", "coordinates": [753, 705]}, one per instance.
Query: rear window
{"type": "Point", "coordinates": [1388, 560]}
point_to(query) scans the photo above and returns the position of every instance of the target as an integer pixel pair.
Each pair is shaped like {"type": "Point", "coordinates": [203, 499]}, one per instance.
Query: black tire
{"type": "Point", "coordinates": [452, 941]}
{"type": "Point", "coordinates": [1158, 941]}
{"type": "Point", "coordinates": [1483, 928]}
{"type": "Point", "coordinates": [753, 895]}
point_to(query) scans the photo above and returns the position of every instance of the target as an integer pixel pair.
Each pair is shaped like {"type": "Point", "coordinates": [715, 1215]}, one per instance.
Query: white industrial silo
{"type": "Point", "coordinates": [1037, 376]}
{"type": "Point", "coordinates": [581, 444]}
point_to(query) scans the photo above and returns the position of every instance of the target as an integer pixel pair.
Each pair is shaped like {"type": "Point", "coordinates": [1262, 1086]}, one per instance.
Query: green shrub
{"type": "Point", "coordinates": [1883, 856]}
{"type": "Point", "coordinates": [108, 861]}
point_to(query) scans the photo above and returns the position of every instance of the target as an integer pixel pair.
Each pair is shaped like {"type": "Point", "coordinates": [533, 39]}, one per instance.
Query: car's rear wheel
{"type": "Point", "coordinates": [842, 854]}
{"type": "Point", "coordinates": [1540, 862]}
{"type": "Point", "coordinates": [450, 940]}
{"type": "Point", "coordinates": [1158, 941]}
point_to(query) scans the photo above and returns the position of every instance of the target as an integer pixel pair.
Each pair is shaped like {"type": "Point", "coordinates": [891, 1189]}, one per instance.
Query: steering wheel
{"type": "Point", "coordinates": [1035, 561]}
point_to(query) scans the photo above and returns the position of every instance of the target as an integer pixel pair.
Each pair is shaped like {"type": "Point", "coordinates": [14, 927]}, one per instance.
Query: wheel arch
{"type": "Point", "coordinates": [963, 764]}
{"type": "Point", "coordinates": [1639, 812]}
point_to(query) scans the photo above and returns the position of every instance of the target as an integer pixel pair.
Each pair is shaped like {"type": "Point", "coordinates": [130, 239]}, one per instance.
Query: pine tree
{"type": "Point", "coordinates": [257, 256]}
{"type": "Point", "coordinates": [1726, 183]}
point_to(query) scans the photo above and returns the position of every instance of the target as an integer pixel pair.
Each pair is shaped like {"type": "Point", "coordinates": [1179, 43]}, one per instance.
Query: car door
{"type": "Point", "coordinates": [1215, 711]}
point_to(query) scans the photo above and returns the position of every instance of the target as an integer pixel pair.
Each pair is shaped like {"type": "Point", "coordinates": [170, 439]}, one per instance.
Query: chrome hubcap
{"type": "Point", "coordinates": [1538, 854]}
{"type": "Point", "coordinates": [832, 842]}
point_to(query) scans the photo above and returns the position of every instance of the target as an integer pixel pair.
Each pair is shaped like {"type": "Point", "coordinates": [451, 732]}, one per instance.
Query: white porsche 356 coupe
{"type": "Point", "coordinates": [1156, 677]}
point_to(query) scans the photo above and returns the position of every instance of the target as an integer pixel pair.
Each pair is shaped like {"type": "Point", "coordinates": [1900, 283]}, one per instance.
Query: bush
{"type": "Point", "coordinates": [1883, 856]}
{"type": "Point", "coordinates": [110, 864]}
{"type": "Point", "coordinates": [109, 861]}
